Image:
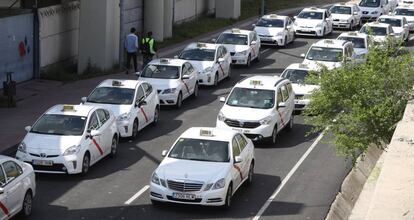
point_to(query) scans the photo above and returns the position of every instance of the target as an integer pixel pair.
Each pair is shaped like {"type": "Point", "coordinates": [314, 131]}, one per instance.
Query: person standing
{"type": "Point", "coordinates": [148, 49]}
{"type": "Point", "coordinates": [131, 47]}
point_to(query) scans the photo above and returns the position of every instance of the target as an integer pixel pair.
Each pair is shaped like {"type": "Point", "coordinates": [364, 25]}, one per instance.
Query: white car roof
{"type": "Point", "coordinates": [201, 45]}
{"type": "Point", "coordinates": [391, 16]}
{"type": "Point", "coordinates": [75, 110]}
{"type": "Point", "coordinates": [274, 17]}
{"type": "Point", "coordinates": [353, 34]}
{"type": "Point", "coordinates": [207, 133]}
{"type": "Point", "coordinates": [168, 62]}
{"type": "Point", "coordinates": [376, 24]}
{"type": "Point", "coordinates": [237, 31]}
{"type": "Point", "coordinates": [405, 6]}
{"type": "Point", "coordinates": [260, 82]}
{"type": "Point", "coordinates": [348, 4]}
{"type": "Point", "coordinates": [314, 9]}
{"type": "Point", "coordinates": [330, 43]}
{"type": "Point", "coordinates": [297, 66]}
{"type": "Point", "coordinates": [120, 83]}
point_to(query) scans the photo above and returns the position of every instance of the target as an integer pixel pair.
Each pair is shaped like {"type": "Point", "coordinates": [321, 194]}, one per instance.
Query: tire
{"type": "Point", "coordinates": [286, 42]}
{"type": "Point", "coordinates": [134, 134]}
{"type": "Point", "coordinates": [250, 175]}
{"type": "Point", "coordinates": [156, 115]}
{"type": "Point", "coordinates": [114, 145]}
{"type": "Point", "coordinates": [323, 33]}
{"type": "Point", "coordinates": [179, 101]}
{"type": "Point", "coordinates": [289, 126]}
{"type": "Point", "coordinates": [273, 138]}
{"type": "Point", "coordinates": [215, 80]}
{"type": "Point", "coordinates": [249, 60]}
{"type": "Point", "coordinates": [229, 73]}
{"type": "Point", "coordinates": [259, 55]}
{"type": "Point", "coordinates": [86, 163]}
{"type": "Point", "coordinates": [229, 194]}
{"type": "Point", "coordinates": [27, 204]}
{"type": "Point", "coordinates": [351, 26]}
{"type": "Point", "coordinates": [195, 93]}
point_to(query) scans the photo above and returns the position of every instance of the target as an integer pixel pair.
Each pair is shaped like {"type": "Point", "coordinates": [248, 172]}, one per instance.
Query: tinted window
{"type": "Point", "coordinates": [357, 41]}
{"type": "Point", "coordinates": [325, 54]}
{"type": "Point", "coordinates": [198, 54]}
{"type": "Point", "coordinates": [112, 95]}
{"type": "Point", "coordinates": [12, 170]}
{"type": "Point", "coordinates": [236, 149]}
{"type": "Point", "coordinates": [270, 23]}
{"type": "Point", "coordinates": [376, 31]}
{"type": "Point", "coordinates": [59, 125]}
{"type": "Point", "coordinates": [341, 10]}
{"type": "Point", "coordinates": [236, 39]}
{"type": "Point", "coordinates": [279, 96]}
{"type": "Point", "coordinates": [252, 98]}
{"type": "Point", "coordinates": [201, 150]}
{"type": "Point", "coordinates": [93, 122]}
{"type": "Point", "coordinates": [2, 177]}
{"type": "Point", "coordinates": [394, 22]}
{"type": "Point", "coordinates": [311, 15]}
{"type": "Point", "coordinates": [242, 141]}
{"type": "Point", "coordinates": [161, 72]}
{"type": "Point", "coordinates": [140, 94]}
{"type": "Point", "coordinates": [102, 116]}
{"type": "Point", "coordinates": [147, 88]}
{"type": "Point", "coordinates": [404, 12]}
{"type": "Point", "coordinates": [370, 3]}
{"type": "Point", "coordinates": [285, 93]}
{"type": "Point", "coordinates": [295, 75]}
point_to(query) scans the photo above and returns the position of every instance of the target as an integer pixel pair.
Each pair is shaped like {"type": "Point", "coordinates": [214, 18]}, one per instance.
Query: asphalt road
{"type": "Point", "coordinates": [307, 171]}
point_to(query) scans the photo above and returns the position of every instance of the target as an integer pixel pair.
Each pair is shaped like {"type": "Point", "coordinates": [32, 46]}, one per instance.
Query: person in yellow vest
{"type": "Point", "coordinates": [148, 48]}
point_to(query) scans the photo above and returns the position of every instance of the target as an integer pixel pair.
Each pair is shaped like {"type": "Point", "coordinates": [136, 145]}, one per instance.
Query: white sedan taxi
{"type": "Point", "coordinates": [17, 188]}
{"type": "Point", "coordinates": [297, 73]}
{"type": "Point", "coordinates": [345, 15]}
{"type": "Point", "coordinates": [399, 26]}
{"type": "Point", "coordinates": [205, 166]}
{"type": "Point", "coordinates": [328, 53]}
{"type": "Point", "coordinates": [134, 103]}
{"type": "Point", "coordinates": [260, 107]}
{"type": "Point", "coordinates": [243, 45]}
{"type": "Point", "coordinates": [212, 61]}
{"type": "Point", "coordinates": [361, 42]}
{"type": "Point", "coordinates": [379, 32]}
{"type": "Point", "coordinates": [68, 139]}
{"type": "Point", "coordinates": [173, 79]}
{"type": "Point", "coordinates": [406, 11]}
{"type": "Point", "coordinates": [313, 22]}
{"type": "Point", "coordinates": [275, 30]}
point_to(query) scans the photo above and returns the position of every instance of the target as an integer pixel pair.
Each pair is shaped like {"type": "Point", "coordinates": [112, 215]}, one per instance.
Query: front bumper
{"type": "Point", "coordinates": [272, 40]}
{"type": "Point", "coordinates": [315, 31]}
{"type": "Point", "coordinates": [205, 198]}
{"type": "Point", "coordinates": [125, 128]}
{"type": "Point", "coordinates": [239, 60]}
{"type": "Point", "coordinates": [168, 99]}
{"type": "Point", "coordinates": [301, 104]}
{"type": "Point", "coordinates": [337, 24]}
{"type": "Point", "coordinates": [71, 164]}
{"type": "Point", "coordinates": [206, 79]}
{"type": "Point", "coordinates": [369, 18]}
{"type": "Point", "coordinates": [256, 134]}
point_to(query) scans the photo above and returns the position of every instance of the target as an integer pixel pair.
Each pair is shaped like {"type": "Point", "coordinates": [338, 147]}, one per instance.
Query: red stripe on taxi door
{"type": "Point", "coordinates": [281, 118]}
{"type": "Point", "coordinates": [239, 170]}
{"type": "Point", "coordinates": [185, 84]}
{"type": "Point", "coordinates": [97, 146]}
{"type": "Point", "coordinates": [4, 209]}
{"type": "Point", "coordinates": [145, 115]}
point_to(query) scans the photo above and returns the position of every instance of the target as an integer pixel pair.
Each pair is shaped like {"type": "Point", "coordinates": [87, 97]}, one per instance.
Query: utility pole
{"type": "Point", "coordinates": [262, 11]}
{"type": "Point", "coordinates": [121, 34]}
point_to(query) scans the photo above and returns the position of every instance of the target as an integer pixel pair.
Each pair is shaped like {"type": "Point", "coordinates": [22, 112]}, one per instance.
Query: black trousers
{"type": "Point", "coordinates": [146, 59]}
{"type": "Point", "coordinates": [132, 56]}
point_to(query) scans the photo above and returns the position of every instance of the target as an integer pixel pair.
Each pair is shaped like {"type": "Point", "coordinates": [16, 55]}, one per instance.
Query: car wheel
{"type": "Point", "coordinates": [286, 41]}
{"type": "Point", "coordinates": [251, 172]}
{"type": "Point", "coordinates": [351, 26]}
{"type": "Point", "coordinates": [272, 139]}
{"type": "Point", "coordinates": [156, 115]}
{"type": "Point", "coordinates": [229, 194]}
{"type": "Point", "coordinates": [114, 146]}
{"type": "Point", "coordinates": [289, 127]}
{"type": "Point", "coordinates": [195, 93]}
{"type": "Point", "coordinates": [323, 33]}
{"type": "Point", "coordinates": [259, 56]}
{"type": "Point", "coordinates": [229, 73]}
{"type": "Point", "coordinates": [27, 204]}
{"type": "Point", "coordinates": [134, 129]}
{"type": "Point", "coordinates": [86, 163]}
{"type": "Point", "coordinates": [179, 100]}
{"type": "Point", "coordinates": [248, 61]}
{"type": "Point", "coordinates": [215, 79]}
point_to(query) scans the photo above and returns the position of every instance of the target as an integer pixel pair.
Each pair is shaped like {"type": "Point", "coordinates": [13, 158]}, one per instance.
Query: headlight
{"type": "Point", "coordinates": [242, 53]}
{"type": "Point", "coordinates": [266, 120]}
{"type": "Point", "coordinates": [168, 91]}
{"type": "Point", "coordinates": [221, 117]}
{"type": "Point", "coordinates": [374, 12]}
{"type": "Point", "coordinates": [319, 25]}
{"type": "Point", "coordinates": [124, 117]}
{"type": "Point", "coordinates": [155, 179]}
{"type": "Point", "coordinates": [72, 150]}
{"type": "Point", "coordinates": [22, 147]}
{"type": "Point", "coordinates": [221, 183]}
{"type": "Point", "coordinates": [207, 70]}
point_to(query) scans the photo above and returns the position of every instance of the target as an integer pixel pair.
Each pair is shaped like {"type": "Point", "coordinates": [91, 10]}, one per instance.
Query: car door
{"type": "Point", "coordinates": [222, 66]}
{"type": "Point", "coordinates": [151, 100]}
{"type": "Point", "coordinates": [141, 108]}
{"type": "Point", "coordinates": [237, 173]}
{"type": "Point", "coordinates": [357, 14]}
{"type": "Point", "coordinates": [105, 129]}
{"type": "Point", "coordinates": [227, 64]}
{"type": "Point", "coordinates": [257, 45]}
{"type": "Point", "coordinates": [245, 154]}
{"type": "Point", "coordinates": [14, 188]}
{"type": "Point", "coordinates": [4, 202]}
{"type": "Point", "coordinates": [193, 77]}
{"type": "Point", "coordinates": [290, 30]}
{"type": "Point", "coordinates": [328, 19]}
{"type": "Point", "coordinates": [186, 85]}
{"type": "Point", "coordinates": [96, 147]}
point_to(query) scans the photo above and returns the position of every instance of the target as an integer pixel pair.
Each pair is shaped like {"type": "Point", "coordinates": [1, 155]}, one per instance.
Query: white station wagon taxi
{"type": "Point", "coordinates": [313, 22]}
{"type": "Point", "coordinates": [174, 80]}
{"type": "Point", "coordinates": [380, 32]}
{"type": "Point", "coordinates": [243, 45]}
{"type": "Point", "coordinates": [17, 188]}
{"type": "Point", "coordinates": [406, 11]}
{"type": "Point", "coordinates": [212, 61]}
{"type": "Point", "coordinates": [399, 26]}
{"type": "Point", "coordinates": [275, 30]}
{"type": "Point", "coordinates": [69, 139]}
{"type": "Point", "coordinates": [205, 166]}
{"type": "Point", "coordinates": [134, 103]}
{"type": "Point", "coordinates": [361, 42]}
{"type": "Point", "coordinates": [260, 107]}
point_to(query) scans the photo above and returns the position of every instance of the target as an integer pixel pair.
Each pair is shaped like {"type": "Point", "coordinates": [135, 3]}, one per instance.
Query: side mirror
{"type": "Point", "coordinates": [214, 40]}
{"type": "Point", "coordinates": [28, 128]}
{"type": "Point", "coordinates": [253, 25]}
{"type": "Point", "coordinates": [1, 191]}
{"type": "Point", "coordinates": [141, 103]}
{"type": "Point", "coordinates": [295, 17]}
{"type": "Point", "coordinates": [253, 43]}
{"type": "Point", "coordinates": [302, 55]}
{"type": "Point", "coordinates": [281, 105]}
{"type": "Point", "coordinates": [95, 133]}
{"type": "Point", "coordinates": [164, 153]}
{"type": "Point", "coordinates": [392, 34]}
{"type": "Point", "coordinates": [238, 159]}
{"type": "Point", "coordinates": [185, 77]}
{"type": "Point", "coordinates": [176, 57]}
{"type": "Point", "coordinates": [222, 99]}
{"type": "Point", "coordinates": [406, 25]}
{"type": "Point", "coordinates": [84, 99]}
{"type": "Point", "coordinates": [138, 74]}
{"type": "Point", "coordinates": [220, 60]}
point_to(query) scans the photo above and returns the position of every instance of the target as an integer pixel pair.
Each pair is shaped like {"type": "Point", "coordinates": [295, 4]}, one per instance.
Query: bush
{"type": "Point", "coordinates": [361, 103]}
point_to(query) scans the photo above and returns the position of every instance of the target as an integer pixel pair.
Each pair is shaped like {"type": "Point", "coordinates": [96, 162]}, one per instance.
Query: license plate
{"type": "Point", "coordinates": [266, 39]}
{"type": "Point", "coordinates": [43, 162]}
{"type": "Point", "coordinates": [184, 196]}
{"type": "Point", "coordinates": [241, 130]}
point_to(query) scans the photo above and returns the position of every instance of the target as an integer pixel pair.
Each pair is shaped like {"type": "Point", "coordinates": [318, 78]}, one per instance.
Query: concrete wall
{"type": "Point", "coordinates": [186, 10]}
{"type": "Point", "coordinates": [7, 3]}
{"type": "Point", "coordinates": [228, 9]}
{"type": "Point", "coordinates": [133, 15]}
{"type": "Point", "coordinates": [59, 33]}
{"type": "Point", "coordinates": [16, 47]}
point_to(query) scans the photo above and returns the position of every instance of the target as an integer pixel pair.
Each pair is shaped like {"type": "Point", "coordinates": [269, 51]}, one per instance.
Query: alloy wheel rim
{"type": "Point", "coordinates": [135, 129]}
{"type": "Point", "coordinates": [113, 146]}
{"type": "Point", "coordinates": [27, 205]}
{"type": "Point", "coordinates": [85, 164]}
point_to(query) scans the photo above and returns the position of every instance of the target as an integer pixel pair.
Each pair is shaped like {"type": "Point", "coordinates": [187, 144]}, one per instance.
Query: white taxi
{"type": "Point", "coordinates": [212, 61]}
{"type": "Point", "coordinates": [243, 45]}
{"type": "Point", "coordinates": [68, 139]}
{"type": "Point", "coordinates": [205, 166]}
{"type": "Point", "coordinates": [372, 9]}
{"type": "Point", "coordinates": [260, 107]}
{"type": "Point", "coordinates": [17, 188]}
{"type": "Point", "coordinates": [275, 30]}
{"type": "Point", "coordinates": [313, 22]}
{"type": "Point", "coordinates": [134, 103]}
{"type": "Point", "coordinates": [406, 11]}
{"type": "Point", "coordinates": [361, 42]}
{"type": "Point", "coordinates": [346, 15]}
{"type": "Point", "coordinates": [379, 32]}
{"type": "Point", "coordinates": [399, 26]}
{"type": "Point", "coordinates": [297, 73]}
{"type": "Point", "coordinates": [329, 53]}
{"type": "Point", "coordinates": [173, 79]}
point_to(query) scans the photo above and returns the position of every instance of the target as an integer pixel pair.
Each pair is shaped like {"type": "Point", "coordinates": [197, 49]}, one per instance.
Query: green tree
{"type": "Point", "coordinates": [361, 103]}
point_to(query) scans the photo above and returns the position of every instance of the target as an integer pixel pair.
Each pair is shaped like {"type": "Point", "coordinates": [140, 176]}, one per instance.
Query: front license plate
{"type": "Point", "coordinates": [241, 130]}
{"type": "Point", "coordinates": [184, 196]}
{"type": "Point", "coordinates": [43, 162]}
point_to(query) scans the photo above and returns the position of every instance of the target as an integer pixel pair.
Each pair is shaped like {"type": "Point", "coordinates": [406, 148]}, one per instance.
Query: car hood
{"type": "Point", "coordinates": [201, 65]}
{"type": "Point", "coordinates": [341, 16]}
{"type": "Point", "coordinates": [49, 144]}
{"type": "Point", "coordinates": [268, 30]}
{"type": "Point", "coordinates": [236, 48]}
{"type": "Point", "coordinates": [206, 172]}
{"type": "Point", "coordinates": [161, 84]}
{"type": "Point", "coordinates": [115, 109]}
{"type": "Point", "coordinates": [308, 22]}
{"type": "Point", "coordinates": [246, 114]}
{"type": "Point", "coordinates": [316, 65]}
{"type": "Point", "coordinates": [304, 89]}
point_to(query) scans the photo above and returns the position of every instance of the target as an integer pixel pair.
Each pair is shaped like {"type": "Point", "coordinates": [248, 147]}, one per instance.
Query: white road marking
{"type": "Point", "coordinates": [139, 193]}
{"type": "Point", "coordinates": [288, 176]}
{"type": "Point", "coordinates": [411, 38]}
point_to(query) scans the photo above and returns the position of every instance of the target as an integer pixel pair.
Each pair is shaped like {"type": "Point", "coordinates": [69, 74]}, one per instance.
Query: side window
{"type": "Point", "coordinates": [236, 149]}
{"type": "Point", "coordinates": [2, 177]}
{"type": "Point", "coordinates": [185, 70]}
{"type": "Point", "coordinates": [147, 88]}
{"type": "Point", "coordinates": [242, 141]}
{"type": "Point", "coordinates": [107, 115]}
{"type": "Point", "coordinates": [102, 116]}
{"type": "Point", "coordinates": [285, 93]}
{"type": "Point", "coordinates": [190, 68]}
{"type": "Point", "coordinates": [12, 170]}
{"type": "Point", "coordinates": [93, 122]}
{"type": "Point", "coordinates": [289, 88]}
{"type": "Point", "coordinates": [224, 51]}
{"type": "Point", "coordinates": [140, 94]}
{"type": "Point", "coordinates": [279, 96]}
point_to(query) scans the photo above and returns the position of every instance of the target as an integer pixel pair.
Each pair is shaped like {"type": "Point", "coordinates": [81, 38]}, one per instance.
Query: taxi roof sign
{"type": "Point", "coordinates": [255, 82]}
{"type": "Point", "coordinates": [201, 44]}
{"type": "Point", "coordinates": [273, 15]}
{"type": "Point", "coordinates": [235, 30]}
{"type": "Point", "coordinates": [353, 33]}
{"type": "Point", "coordinates": [68, 108]}
{"type": "Point", "coordinates": [163, 60]}
{"type": "Point", "coordinates": [328, 41]}
{"type": "Point", "coordinates": [303, 66]}
{"type": "Point", "coordinates": [116, 83]}
{"type": "Point", "coordinates": [206, 133]}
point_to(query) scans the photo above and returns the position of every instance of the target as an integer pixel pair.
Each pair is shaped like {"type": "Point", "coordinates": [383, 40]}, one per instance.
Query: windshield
{"type": "Point", "coordinates": [161, 72]}
{"type": "Point", "coordinates": [394, 22]}
{"type": "Point", "coordinates": [236, 39]}
{"type": "Point", "coordinates": [295, 75]}
{"type": "Point", "coordinates": [201, 150]}
{"type": "Point", "coordinates": [325, 54]}
{"type": "Point", "coordinates": [376, 31]}
{"type": "Point", "coordinates": [404, 12]}
{"type": "Point", "coordinates": [370, 3]}
{"type": "Point", "coordinates": [112, 95]}
{"type": "Point", "coordinates": [311, 15]}
{"type": "Point", "coordinates": [341, 10]}
{"type": "Point", "coordinates": [198, 54]}
{"type": "Point", "coordinates": [357, 41]}
{"type": "Point", "coordinates": [60, 125]}
{"type": "Point", "coordinates": [270, 23]}
{"type": "Point", "coordinates": [252, 98]}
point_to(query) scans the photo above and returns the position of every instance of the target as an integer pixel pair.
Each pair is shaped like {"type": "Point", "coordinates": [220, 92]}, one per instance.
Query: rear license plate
{"type": "Point", "coordinates": [184, 196]}
{"type": "Point", "coordinates": [43, 162]}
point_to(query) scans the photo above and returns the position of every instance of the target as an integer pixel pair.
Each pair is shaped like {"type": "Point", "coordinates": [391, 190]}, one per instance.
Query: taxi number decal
{"type": "Point", "coordinates": [239, 170]}
{"type": "Point", "coordinates": [4, 209]}
{"type": "Point", "coordinates": [281, 118]}
{"type": "Point", "coordinates": [185, 84]}
{"type": "Point", "coordinates": [97, 146]}
{"type": "Point", "coordinates": [145, 115]}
